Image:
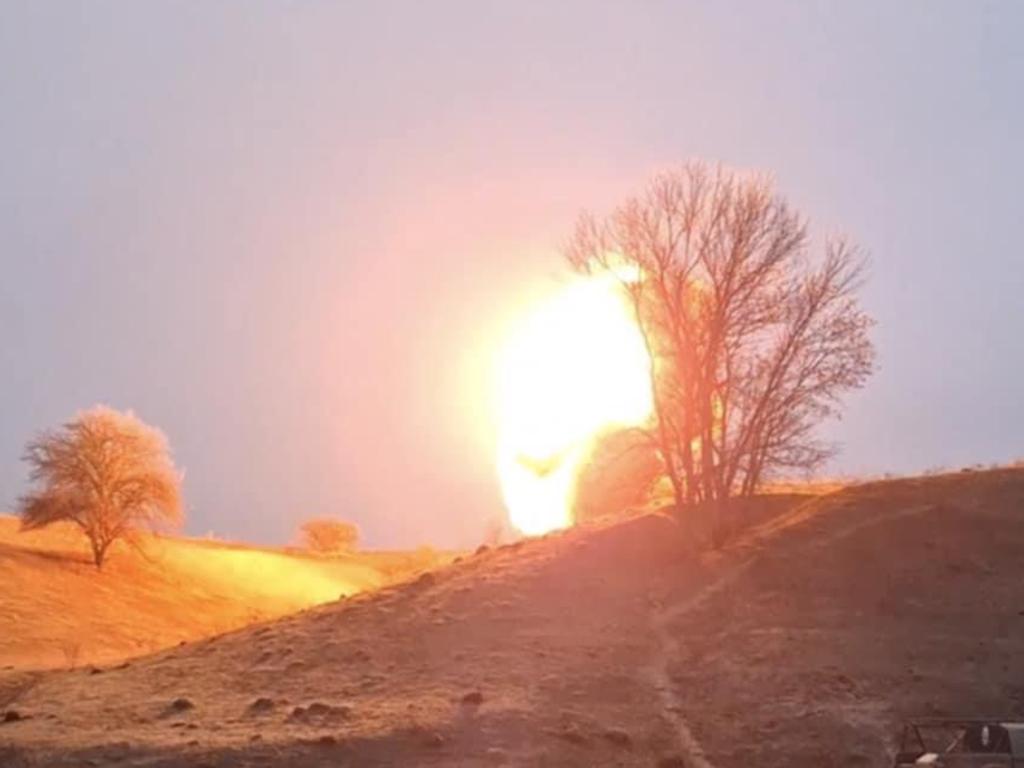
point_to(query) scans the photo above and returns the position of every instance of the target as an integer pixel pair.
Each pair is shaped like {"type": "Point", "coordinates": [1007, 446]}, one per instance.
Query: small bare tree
{"type": "Point", "coordinates": [107, 472]}
{"type": "Point", "coordinates": [752, 343]}
{"type": "Point", "coordinates": [328, 536]}
{"type": "Point", "coordinates": [617, 477]}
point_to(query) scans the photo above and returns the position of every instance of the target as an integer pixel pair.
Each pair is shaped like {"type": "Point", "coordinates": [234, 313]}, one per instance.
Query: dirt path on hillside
{"type": "Point", "coordinates": [667, 648]}
{"type": "Point", "coordinates": [529, 655]}
{"type": "Point", "coordinates": [724, 569]}
{"type": "Point", "coordinates": [811, 640]}
{"type": "Point", "coordinates": [597, 648]}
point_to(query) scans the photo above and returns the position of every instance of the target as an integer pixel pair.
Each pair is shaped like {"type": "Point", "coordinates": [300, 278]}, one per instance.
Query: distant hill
{"type": "Point", "coordinates": [803, 642]}
{"type": "Point", "coordinates": [57, 610]}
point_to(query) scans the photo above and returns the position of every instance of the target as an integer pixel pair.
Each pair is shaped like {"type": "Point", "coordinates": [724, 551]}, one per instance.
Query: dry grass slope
{"type": "Point", "coordinates": [802, 643]}
{"type": "Point", "coordinates": [56, 610]}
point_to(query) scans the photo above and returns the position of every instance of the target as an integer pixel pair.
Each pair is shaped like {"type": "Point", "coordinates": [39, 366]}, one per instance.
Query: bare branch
{"type": "Point", "coordinates": [752, 344]}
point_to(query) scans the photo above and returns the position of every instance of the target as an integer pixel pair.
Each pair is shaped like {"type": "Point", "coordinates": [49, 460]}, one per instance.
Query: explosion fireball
{"type": "Point", "coordinates": [576, 365]}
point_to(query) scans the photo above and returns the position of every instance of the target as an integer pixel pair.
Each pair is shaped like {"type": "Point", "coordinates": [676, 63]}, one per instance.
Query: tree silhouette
{"type": "Point", "coordinates": [752, 342]}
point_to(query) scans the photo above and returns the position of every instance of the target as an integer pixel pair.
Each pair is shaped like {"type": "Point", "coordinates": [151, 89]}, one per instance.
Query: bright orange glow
{"type": "Point", "coordinates": [575, 365]}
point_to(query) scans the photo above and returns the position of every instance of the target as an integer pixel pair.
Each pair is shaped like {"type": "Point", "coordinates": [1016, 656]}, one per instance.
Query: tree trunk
{"type": "Point", "coordinates": [99, 553]}
{"type": "Point", "coordinates": [678, 494]}
{"type": "Point", "coordinates": [668, 460]}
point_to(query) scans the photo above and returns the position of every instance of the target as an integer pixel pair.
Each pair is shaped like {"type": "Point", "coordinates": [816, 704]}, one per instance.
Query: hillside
{"type": "Point", "coordinates": [56, 610]}
{"type": "Point", "coordinates": [892, 600]}
{"type": "Point", "coordinates": [802, 643]}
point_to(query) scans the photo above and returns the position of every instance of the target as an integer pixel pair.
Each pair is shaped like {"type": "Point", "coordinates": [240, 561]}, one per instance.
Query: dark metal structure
{"type": "Point", "coordinates": [966, 743]}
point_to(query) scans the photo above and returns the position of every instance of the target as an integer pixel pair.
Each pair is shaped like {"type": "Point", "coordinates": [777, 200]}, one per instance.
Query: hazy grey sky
{"type": "Point", "coordinates": [287, 232]}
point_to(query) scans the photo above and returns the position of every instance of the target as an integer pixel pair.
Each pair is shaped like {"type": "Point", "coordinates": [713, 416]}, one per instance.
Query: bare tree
{"type": "Point", "coordinates": [328, 536]}
{"type": "Point", "coordinates": [617, 477]}
{"type": "Point", "coordinates": [752, 342]}
{"type": "Point", "coordinates": [105, 471]}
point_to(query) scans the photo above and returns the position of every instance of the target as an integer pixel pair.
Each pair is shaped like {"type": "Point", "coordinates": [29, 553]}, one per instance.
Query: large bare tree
{"type": "Point", "coordinates": [107, 472]}
{"type": "Point", "coordinates": [752, 340]}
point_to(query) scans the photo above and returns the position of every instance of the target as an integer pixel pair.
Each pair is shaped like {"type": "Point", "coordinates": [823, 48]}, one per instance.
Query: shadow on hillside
{"type": "Point", "coordinates": [464, 740]}
{"type": "Point", "coordinates": [714, 526]}
{"type": "Point", "coordinates": [29, 553]}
